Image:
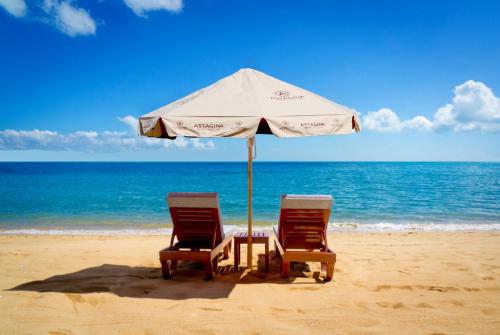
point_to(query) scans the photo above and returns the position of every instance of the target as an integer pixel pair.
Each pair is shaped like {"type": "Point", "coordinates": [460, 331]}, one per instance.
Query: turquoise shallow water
{"type": "Point", "coordinates": [367, 195]}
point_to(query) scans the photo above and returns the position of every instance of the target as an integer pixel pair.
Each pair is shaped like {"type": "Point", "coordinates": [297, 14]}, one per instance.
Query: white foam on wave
{"type": "Point", "coordinates": [333, 226]}
{"type": "Point", "coordinates": [88, 232]}
{"type": "Point", "coordinates": [99, 232]}
{"type": "Point", "coordinates": [412, 226]}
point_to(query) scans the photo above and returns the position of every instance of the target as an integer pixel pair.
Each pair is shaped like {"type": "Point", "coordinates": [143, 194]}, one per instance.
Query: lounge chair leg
{"type": "Point", "coordinates": [165, 269]}
{"type": "Point", "coordinates": [226, 252]}
{"type": "Point", "coordinates": [329, 271]}
{"type": "Point", "coordinates": [209, 271]}
{"type": "Point", "coordinates": [173, 265]}
{"type": "Point", "coordinates": [215, 264]}
{"type": "Point", "coordinates": [285, 268]}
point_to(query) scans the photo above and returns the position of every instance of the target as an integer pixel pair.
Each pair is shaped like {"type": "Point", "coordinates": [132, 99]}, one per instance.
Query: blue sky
{"type": "Point", "coordinates": [70, 70]}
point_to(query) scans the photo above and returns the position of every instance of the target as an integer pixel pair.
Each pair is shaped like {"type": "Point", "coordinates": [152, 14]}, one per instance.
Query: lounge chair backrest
{"type": "Point", "coordinates": [196, 216]}
{"type": "Point", "coordinates": [303, 220]}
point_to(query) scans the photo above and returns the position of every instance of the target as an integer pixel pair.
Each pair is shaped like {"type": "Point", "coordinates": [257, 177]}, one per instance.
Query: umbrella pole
{"type": "Point", "coordinates": [250, 142]}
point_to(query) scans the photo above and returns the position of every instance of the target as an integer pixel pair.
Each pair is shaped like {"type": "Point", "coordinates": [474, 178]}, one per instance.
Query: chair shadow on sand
{"type": "Point", "coordinates": [147, 282]}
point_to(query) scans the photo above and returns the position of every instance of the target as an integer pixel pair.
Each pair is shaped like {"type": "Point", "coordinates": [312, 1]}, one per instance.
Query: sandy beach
{"type": "Point", "coordinates": [384, 283]}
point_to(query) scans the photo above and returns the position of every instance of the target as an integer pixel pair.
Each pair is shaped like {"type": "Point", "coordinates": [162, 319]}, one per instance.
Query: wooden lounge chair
{"type": "Point", "coordinates": [198, 234]}
{"type": "Point", "coordinates": [301, 235]}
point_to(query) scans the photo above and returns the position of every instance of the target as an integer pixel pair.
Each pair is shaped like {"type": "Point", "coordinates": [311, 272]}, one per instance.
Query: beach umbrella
{"type": "Point", "coordinates": [244, 104]}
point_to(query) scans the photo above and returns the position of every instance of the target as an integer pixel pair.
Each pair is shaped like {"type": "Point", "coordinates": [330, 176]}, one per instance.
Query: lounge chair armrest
{"type": "Point", "coordinates": [275, 232]}
{"type": "Point", "coordinates": [218, 249]}
{"type": "Point", "coordinates": [277, 241]}
{"type": "Point", "coordinates": [230, 233]}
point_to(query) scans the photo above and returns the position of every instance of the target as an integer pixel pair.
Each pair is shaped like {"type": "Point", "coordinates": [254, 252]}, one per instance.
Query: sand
{"type": "Point", "coordinates": [384, 283]}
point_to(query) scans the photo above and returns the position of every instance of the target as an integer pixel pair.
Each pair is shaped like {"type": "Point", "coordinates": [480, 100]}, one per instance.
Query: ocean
{"type": "Point", "coordinates": [121, 197]}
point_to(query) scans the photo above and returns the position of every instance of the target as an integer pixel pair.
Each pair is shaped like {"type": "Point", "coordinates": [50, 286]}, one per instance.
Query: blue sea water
{"type": "Point", "coordinates": [367, 195]}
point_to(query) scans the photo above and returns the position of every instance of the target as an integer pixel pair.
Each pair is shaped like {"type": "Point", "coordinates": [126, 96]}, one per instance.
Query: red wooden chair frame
{"type": "Point", "coordinates": [301, 236]}
{"type": "Point", "coordinates": [198, 236]}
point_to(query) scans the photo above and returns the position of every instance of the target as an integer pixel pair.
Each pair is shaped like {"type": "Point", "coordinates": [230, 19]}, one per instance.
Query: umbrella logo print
{"type": "Point", "coordinates": [180, 124]}
{"type": "Point", "coordinates": [238, 125]}
{"type": "Point", "coordinates": [286, 125]}
{"type": "Point", "coordinates": [312, 124]}
{"type": "Point", "coordinates": [283, 95]}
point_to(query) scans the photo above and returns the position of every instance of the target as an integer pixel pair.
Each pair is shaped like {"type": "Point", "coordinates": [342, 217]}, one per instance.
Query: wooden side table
{"type": "Point", "coordinates": [257, 238]}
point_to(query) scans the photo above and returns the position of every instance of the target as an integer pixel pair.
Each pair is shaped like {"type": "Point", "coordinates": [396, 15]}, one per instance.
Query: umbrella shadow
{"type": "Point", "coordinates": [147, 282]}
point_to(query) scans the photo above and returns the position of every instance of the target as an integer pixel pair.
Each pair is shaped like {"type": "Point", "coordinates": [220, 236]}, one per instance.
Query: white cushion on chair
{"type": "Point", "coordinates": [193, 200]}
{"type": "Point", "coordinates": [299, 201]}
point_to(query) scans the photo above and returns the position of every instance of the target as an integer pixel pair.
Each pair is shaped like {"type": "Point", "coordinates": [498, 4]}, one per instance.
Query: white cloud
{"type": "Point", "coordinates": [474, 107]}
{"type": "Point", "coordinates": [92, 141]}
{"type": "Point", "coordinates": [418, 123]}
{"type": "Point", "coordinates": [385, 120]}
{"type": "Point", "coordinates": [131, 122]}
{"type": "Point", "coordinates": [196, 143]}
{"type": "Point", "coordinates": [181, 142]}
{"type": "Point", "coordinates": [69, 19]}
{"type": "Point", "coordinates": [16, 8]}
{"type": "Point", "coordinates": [73, 20]}
{"type": "Point", "coordinates": [140, 7]}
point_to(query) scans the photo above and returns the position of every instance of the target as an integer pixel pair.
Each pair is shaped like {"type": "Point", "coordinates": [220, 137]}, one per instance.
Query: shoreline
{"type": "Point", "coordinates": [154, 230]}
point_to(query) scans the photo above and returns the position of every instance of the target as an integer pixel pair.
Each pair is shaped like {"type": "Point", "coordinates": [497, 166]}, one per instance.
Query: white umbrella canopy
{"type": "Point", "coordinates": [244, 104]}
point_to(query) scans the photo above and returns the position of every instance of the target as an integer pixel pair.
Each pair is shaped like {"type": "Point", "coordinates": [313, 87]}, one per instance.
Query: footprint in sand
{"type": "Point", "coordinates": [382, 287]}
{"type": "Point", "coordinates": [95, 300]}
{"type": "Point", "coordinates": [405, 287]}
{"type": "Point", "coordinates": [60, 332]}
{"type": "Point", "coordinates": [456, 303]}
{"type": "Point", "coordinates": [397, 305]}
{"type": "Point", "coordinates": [361, 305]}
{"type": "Point", "coordinates": [488, 278]}
{"type": "Point", "coordinates": [79, 299]}
{"type": "Point", "coordinates": [390, 287]}
{"type": "Point", "coordinates": [307, 288]}
{"type": "Point", "coordinates": [424, 305]}
{"type": "Point", "coordinates": [210, 309]}
{"type": "Point", "coordinates": [488, 311]}
{"type": "Point", "coordinates": [279, 309]}
{"type": "Point", "coordinates": [357, 284]}
{"type": "Point", "coordinates": [75, 298]}
{"type": "Point", "coordinates": [442, 288]}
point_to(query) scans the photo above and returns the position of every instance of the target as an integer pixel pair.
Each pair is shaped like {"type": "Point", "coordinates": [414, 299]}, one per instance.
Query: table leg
{"type": "Point", "coordinates": [267, 256]}
{"type": "Point", "coordinates": [236, 255]}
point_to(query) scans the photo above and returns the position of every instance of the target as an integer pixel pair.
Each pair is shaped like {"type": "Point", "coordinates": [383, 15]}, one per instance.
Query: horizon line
{"type": "Point", "coordinates": [243, 161]}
